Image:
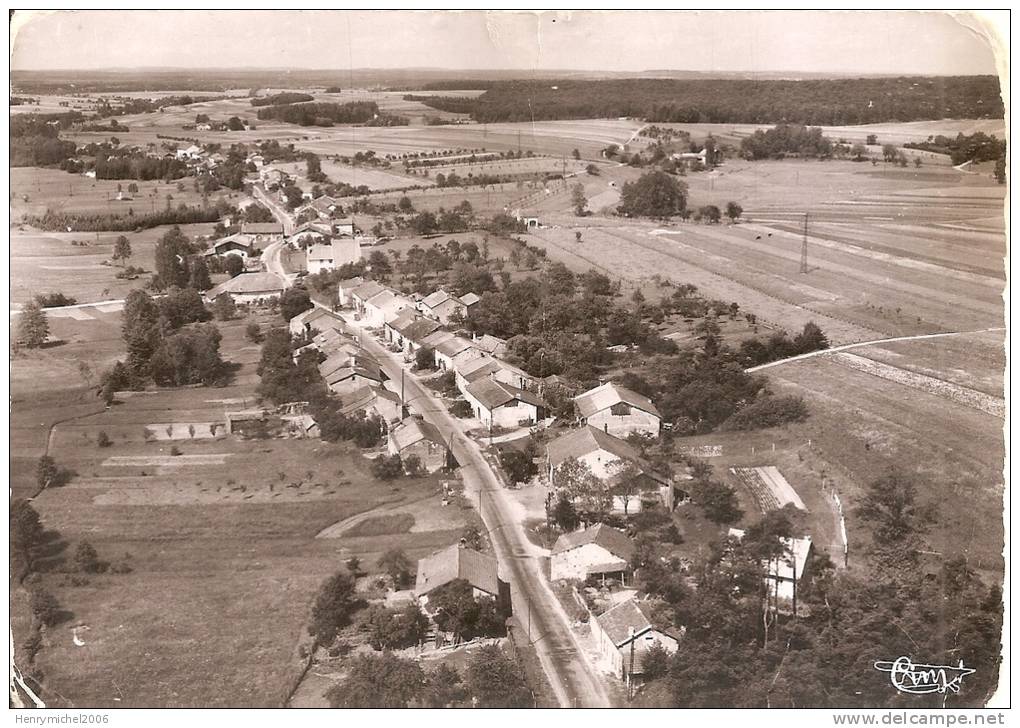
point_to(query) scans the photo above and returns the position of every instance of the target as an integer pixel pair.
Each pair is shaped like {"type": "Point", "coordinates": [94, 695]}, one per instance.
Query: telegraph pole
{"type": "Point", "coordinates": [803, 248]}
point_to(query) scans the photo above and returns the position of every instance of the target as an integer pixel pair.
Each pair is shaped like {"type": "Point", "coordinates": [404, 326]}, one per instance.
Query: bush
{"type": "Point", "coordinates": [387, 467]}
{"type": "Point", "coordinates": [717, 500]}
{"type": "Point", "coordinates": [768, 412]}
{"type": "Point", "coordinates": [333, 607]}
{"type": "Point", "coordinates": [461, 408]}
{"type": "Point", "coordinates": [86, 559]}
{"type": "Point", "coordinates": [45, 607]}
{"type": "Point", "coordinates": [103, 440]}
{"type": "Point", "coordinates": [253, 332]}
{"type": "Point", "coordinates": [175, 451]}
{"type": "Point", "coordinates": [52, 300]}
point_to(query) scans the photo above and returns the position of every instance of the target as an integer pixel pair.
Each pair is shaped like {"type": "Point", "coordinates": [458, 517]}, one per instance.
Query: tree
{"type": "Point", "coordinates": [233, 265]}
{"type": "Point", "coordinates": [859, 152]}
{"type": "Point", "coordinates": [333, 607]}
{"type": "Point", "coordinates": [103, 440]}
{"type": "Point", "coordinates": [592, 169]}
{"type": "Point", "coordinates": [519, 466]}
{"type": "Point", "coordinates": [654, 194]}
{"type": "Point", "coordinates": [199, 275]}
{"type": "Point", "coordinates": [180, 306]}
{"type": "Point", "coordinates": [26, 529]}
{"type": "Point", "coordinates": [872, 139]}
{"type": "Point", "coordinates": [253, 332]}
{"type": "Point", "coordinates": [387, 467]}
{"type": "Point", "coordinates": [33, 327]}
{"type": "Point", "coordinates": [390, 629]}
{"type": "Point", "coordinates": [46, 472]}
{"type": "Point", "coordinates": [378, 681]}
{"type": "Point", "coordinates": [575, 154]}
{"type": "Point", "coordinates": [564, 515]}
{"type": "Point", "coordinates": [121, 249]}
{"type": "Point", "coordinates": [141, 330]}
{"type": "Point", "coordinates": [425, 358]}
{"type": "Point", "coordinates": [379, 264]}
{"type": "Point", "coordinates": [889, 152]}
{"type": "Point", "coordinates": [711, 213]}
{"type": "Point", "coordinates": [655, 663]}
{"type": "Point", "coordinates": [496, 681]}
{"type": "Point", "coordinates": [456, 609]}
{"type": "Point", "coordinates": [86, 559]}
{"type": "Point", "coordinates": [578, 200]}
{"type": "Point", "coordinates": [1000, 170]}
{"type": "Point", "coordinates": [171, 252]}
{"type": "Point", "coordinates": [717, 500]}
{"type": "Point", "coordinates": [45, 607]}
{"type": "Point", "coordinates": [589, 493]}
{"type": "Point", "coordinates": [294, 301]}
{"type": "Point", "coordinates": [223, 307]}
{"type": "Point", "coordinates": [733, 211]}
{"type": "Point", "coordinates": [190, 356]}
{"type": "Point", "coordinates": [396, 563]}
{"type": "Point", "coordinates": [890, 504]}
{"type": "Point", "coordinates": [405, 205]}
{"type": "Point", "coordinates": [917, 162]}
{"type": "Point", "coordinates": [443, 687]}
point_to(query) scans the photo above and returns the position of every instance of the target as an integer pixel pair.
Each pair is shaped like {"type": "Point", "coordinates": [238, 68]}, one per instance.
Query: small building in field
{"type": "Point", "coordinates": [455, 562]}
{"type": "Point", "coordinates": [497, 404]}
{"type": "Point", "coordinates": [249, 288]}
{"type": "Point", "coordinates": [600, 551]}
{"type": "Point", "coordinates": [320, 257]}
{"type": "Point", "coordinates": [617, 410]}
{"type": "Point", "coordinates": [417, 437]}
{"type": "Point", "coordinates": [606, 456]}
{"type": "Point", "coordinates": [624, 634]}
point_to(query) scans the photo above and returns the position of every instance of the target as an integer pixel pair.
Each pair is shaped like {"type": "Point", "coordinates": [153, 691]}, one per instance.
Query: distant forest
{"type": "Point", "coordinates": [327, 114]}
{"type": "Point", "coordinates": [281, 98]}
{"type": "Point", "coordinates": [827, 102]}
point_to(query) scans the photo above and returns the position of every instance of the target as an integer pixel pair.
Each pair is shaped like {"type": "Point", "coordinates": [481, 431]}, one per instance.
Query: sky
{"type": "Point", "coordinates": [908, 42]}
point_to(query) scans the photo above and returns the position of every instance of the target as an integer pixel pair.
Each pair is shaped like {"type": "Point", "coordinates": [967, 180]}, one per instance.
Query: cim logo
{"type": "Point", "coordinates": [918, 679]}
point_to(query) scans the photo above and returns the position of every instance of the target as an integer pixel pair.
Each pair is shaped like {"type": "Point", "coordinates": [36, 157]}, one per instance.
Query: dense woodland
{"type": "Point", "coordinates": [978, 147]}
{"type": "Point", "coordinates": [287, 97]}
{"type": "Point", "coordinates": [818, 102]}
{"type": "Point", "coordinates": [328, 114]}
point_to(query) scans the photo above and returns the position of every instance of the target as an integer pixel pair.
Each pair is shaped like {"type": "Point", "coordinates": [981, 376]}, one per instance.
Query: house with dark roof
{"type": "Point", "coordinates": [381, 307]}
{"type": "Point", "coordinates": [600, 551]}
{"type": "Point", "coordinates": [372, 401]}
{"type": "Point", "coordinates": [626, 632]}
{"type": "Point", "coordinates": [443, 307]}
{"type": "Point", "coordinates": [617, 410]}
{"type": "Point", "coordinates": [459, 562]}
{"type": "Point", "coordinates": [409, 329]}
{"type": "Point", "coordinates": [498, 404]}
{"type": "Point", "coordinates": [357, 372]}
{"type": "Point", "coordinates": [607, 456]}
{"type": "Point", "coordinates": [491, 345]}
{"type": "Point", "coordinates": [422, 439]}
{"type": "Point", "coordinates": [314, 320]}
{"type": "Point", "coordinates": [453, 351]}
{"type": "Point", "coordinates": [236, 244]}
{"type": "Point", "coordinates": [485, 366]}
{"type": "Point", "coordinates": [263, 232]}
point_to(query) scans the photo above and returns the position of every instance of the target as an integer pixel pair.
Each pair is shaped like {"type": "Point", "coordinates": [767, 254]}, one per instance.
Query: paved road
{"type": "Point", "coordinates": [823, 352]}
{"type": "Point", "coordinates": [576, 682]}
{"type": "Point", "coordinates": [271, 255]}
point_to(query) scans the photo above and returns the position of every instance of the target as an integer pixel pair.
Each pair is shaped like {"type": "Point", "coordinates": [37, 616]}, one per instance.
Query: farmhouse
{"type": "Point", "coordinates": [459, 562]}
{"type": "Point", "coordinates": [617, 410]}
{"type": "Point", "coordinates": [408, 330]}
{"type": "Point", "coordinates": [443, 307]}
{"type": "Point", "coordinates": [606, 455]}
{"type": "Point", "coordinates": [785, 573]}
{"type": "Point", "coordinates": [491, 345]}
{"type": "Point", "coordinates": [597, 551]}
{"type": "Point", "coordinates": [372, 400]}
{"type": "Point", "coordinates": [324, 207]}
{"type": "Point", "coordinates": [624, 634]}
{"type": "Point", "coordinates": [314, 319]}
{"type": "Point", "coordinates": [249, 288]}
{"type": "Point", "coordinates": [483, 366]}
{"type": "Point", "coordinates": [453, 352]}
{"type": "Point", "coordinates": [360, 294]}
{"type": "Point", "coordinates": [359, 371]}
{"type": "Point", "coordinates": [327, 256]}
{"type": "Point", "coordinates": [238, 244]}
{"type": "Point", "coordinates": [498, 404]}
{"type": "Point", "coordinates": [422, 439]}
{"type": "Point", "coordinates": [382, 306]}
{"type": "Point", "coordinates": [263, 232]}
{"type": "Point", "coordinates": [345, 287]}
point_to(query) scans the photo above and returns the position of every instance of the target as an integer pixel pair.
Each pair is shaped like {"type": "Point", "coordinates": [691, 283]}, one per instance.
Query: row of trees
{"type": "Point", "coordinates": [121, 222]}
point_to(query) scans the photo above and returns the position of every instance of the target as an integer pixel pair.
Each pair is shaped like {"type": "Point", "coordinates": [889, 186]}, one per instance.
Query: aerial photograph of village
{"type": "Point", "coordinates": [507, 359]}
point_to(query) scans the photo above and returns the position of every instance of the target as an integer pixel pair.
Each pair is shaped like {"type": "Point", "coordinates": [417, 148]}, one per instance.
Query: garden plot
{"type": "Point", "coordinates": [939, 387]}
{"type": "Point", "coordinates": [168, 461]}
{"type": "Point", "coordinates": [184, 430]}
{"type": "Point", "coordinates": [770, 489]}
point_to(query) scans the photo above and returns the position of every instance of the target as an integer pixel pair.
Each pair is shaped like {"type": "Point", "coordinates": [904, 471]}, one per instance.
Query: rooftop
{"type": "Point", "coordinates": [627, 620]}
{"type": "Point", "coordinates": [412, 430]}
{"type": "Point", "coordinates": [248, 283]}
{"type": "Point", "coordinates": [457, 562]}
{"type": "Point", "coordinates": [611, 539]}
{"type": "Point", "coordinates": [585, 440]}
{"type": "Point", "coordinates": [492, 393]}
{"type": "Point", "coordinates": [608, 394]}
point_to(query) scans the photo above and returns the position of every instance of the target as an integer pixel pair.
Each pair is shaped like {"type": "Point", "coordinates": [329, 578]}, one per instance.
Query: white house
{"type": "Point", "coordinates": [784, 573]}
{"type": "Point", "coordinates": [484, 366]}
{"type": "Point", "coordinates": [443, 307]}
{"type": "Point", "coordinates": [345, 287]}
{"type": "Point", "coordinates": [421, 439]}
{"type": "Point", "coordinates": [383, 306]}
{"type": "Point", "coordinates": [359, 295]}
{"type": "Point", "coordinates": [497, 404]}
{"type": "Point", "coordinates": [262, 232]}
{"type": "Point", "coordinates": [624, 635]}
{"type": "Point", "coordinates": [606, 456]}
{"type": "Point", "coordinates": [453, 350]}
{"type": "Point", "coordinates": [617, 410]}
{"type": "Point", "coordinates": [597, 551]}
{"type": "Point", "coordinates": [314, 320]}
{"type": "Point", "coordinates": [337, 252]}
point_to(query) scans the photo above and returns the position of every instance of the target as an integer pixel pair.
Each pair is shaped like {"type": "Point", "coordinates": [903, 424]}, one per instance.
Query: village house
{"type": "Point", "coordinates": [249, 288]}
{"type": "Point", "coordinates": [344, 289]}
{"type": "Point", "coordinates": [360, 295]}
{"type": "Point", "coordinates": [491, 345]}
{"type": "Point", "coordinates": [189, 153]}
{"type": "Point", "coordinates": [314, 320]}
{"type": "Point", "coordinates": [443, 307]}
{"type": "Point", "coordinates": [372, 400]}
{"type": "Point", "coordinates": [415, 334]}
{"type": "Point", "coordinates": [263, 233]}
{"type": "Point", "coordinates": [328, 256]}
{"type": "Point", "coordinates": [617, 410]}
{"type": "Point", "coordinates": [310, 233]}
{"type": "Point", "coordinates": [459, 562]}
{"type": "Point", "coordinates": [484, 366]}
{"type": "Point", "coordinates": [237, 244]}
{"type": "Point", "coordinates": [382, 306]}
{"type": "Point", "coordinates": [393, 329]}
{"type": "Point", "coordinates": [785, 573]}
{"type": "Point", "coordinates": [422, 439]}
{"type": "Point", "coordinates": [624, 634]}
{"type": "Point", "coordinates": [359, 371]}
{"type": "Point", "coordinates": [324, 207]}
{"type": "Point", "coordinates": [606, 456]}
{"type": "Point", "coordinates": [497, 404]}
{"type": "Point", "coordinates": [600, 551]}
{"type": "Point", "coordinates": [453, 351]}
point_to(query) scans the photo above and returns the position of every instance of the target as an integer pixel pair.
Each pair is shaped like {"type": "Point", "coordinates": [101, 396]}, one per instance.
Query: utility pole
{"type": "Point", "coordinates": [803, 248]}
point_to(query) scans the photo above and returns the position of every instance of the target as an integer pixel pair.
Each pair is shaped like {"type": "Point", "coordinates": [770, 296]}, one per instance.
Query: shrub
{"type": "Point", "coordinates": [387, 467]}
{"type": "Point", "coordinates": [103, 440]}
{"type": "Point", "coordinates": [461, 408]}
{"type": "Point", "coordinates": [86, 559]}
{"type": "Point", "coordinates": [768, 412]}
{"type": "Point", "coordinates": [175, 451]}
{"type": "Point", "coordinates": [253, 332]}
{"type": "Point", "coordinates": [45, 607]}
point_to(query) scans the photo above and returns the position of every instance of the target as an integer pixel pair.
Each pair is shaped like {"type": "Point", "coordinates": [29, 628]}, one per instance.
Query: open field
{"type": "Point", "coordinates": [44, 262]}
{"type": "Point", "coordinates": [374, 179]}
{"type": "Point", "coordinates": [223, 549]}
{"type": "Point", "coordinates": [35, 190]}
